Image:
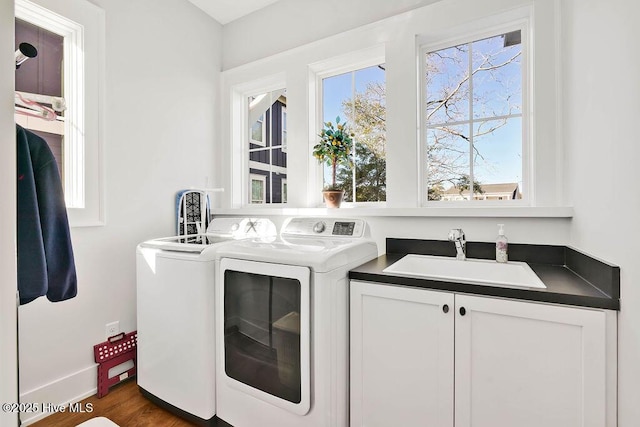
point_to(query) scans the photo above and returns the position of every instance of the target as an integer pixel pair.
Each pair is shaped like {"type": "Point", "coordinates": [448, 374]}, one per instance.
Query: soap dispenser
{"type": "Point", "coordinates": [501, 245]}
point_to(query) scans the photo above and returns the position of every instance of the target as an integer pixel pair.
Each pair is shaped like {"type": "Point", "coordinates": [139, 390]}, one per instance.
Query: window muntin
{"type": "Point", "coordinates": [473, 116]}
{"type": "Point", "coordinates": [267, 158]}
{"type": "Point", "coordinates": [359, 97]}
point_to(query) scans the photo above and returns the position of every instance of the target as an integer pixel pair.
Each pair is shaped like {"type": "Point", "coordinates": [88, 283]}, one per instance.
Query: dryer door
{"type": "Point", "coordinates": [265, 310]}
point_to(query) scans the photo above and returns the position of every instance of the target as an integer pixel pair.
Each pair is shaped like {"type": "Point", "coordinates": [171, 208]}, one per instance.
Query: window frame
{"type": "Point", "coordinates": [462, 37]}
{"type": "Point", "coordinates": [82, 25]}
{"type": "Point", "coordinates": [332, 67]}
{"type": "Point", "coordinates": [239, 136]}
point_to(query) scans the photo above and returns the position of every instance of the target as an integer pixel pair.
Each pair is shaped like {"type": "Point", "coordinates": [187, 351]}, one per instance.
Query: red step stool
{"type": "Point", "coordinates": [115, 351]}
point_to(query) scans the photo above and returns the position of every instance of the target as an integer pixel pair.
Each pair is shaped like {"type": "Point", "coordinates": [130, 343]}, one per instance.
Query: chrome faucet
{"type": "Point", "coordinates": [456, 235]}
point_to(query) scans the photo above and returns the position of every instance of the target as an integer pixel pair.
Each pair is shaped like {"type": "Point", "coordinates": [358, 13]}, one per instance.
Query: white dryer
{"type": "Point", "coordinates": [282, 324]}
{"type": "Point", "coordinates": [175, 316]}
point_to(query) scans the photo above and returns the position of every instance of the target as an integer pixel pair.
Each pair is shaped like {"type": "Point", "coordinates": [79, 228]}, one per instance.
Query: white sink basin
{"type": "Point", "coordinates": [472, 271]}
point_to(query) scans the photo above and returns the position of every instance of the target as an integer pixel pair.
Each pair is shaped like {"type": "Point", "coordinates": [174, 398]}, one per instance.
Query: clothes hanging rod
{"type": "Point", "coordinates": [57, 103]}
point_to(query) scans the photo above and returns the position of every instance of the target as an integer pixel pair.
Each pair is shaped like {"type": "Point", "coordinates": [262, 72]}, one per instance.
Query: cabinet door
{"type": "Point", "coordinates": [401, 356]}
{"type": "Point", "coordinates": [528, 365]}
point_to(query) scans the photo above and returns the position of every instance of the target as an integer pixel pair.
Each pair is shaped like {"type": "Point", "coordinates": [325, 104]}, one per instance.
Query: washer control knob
{"type": "Point", "coordinates": [319, 227]}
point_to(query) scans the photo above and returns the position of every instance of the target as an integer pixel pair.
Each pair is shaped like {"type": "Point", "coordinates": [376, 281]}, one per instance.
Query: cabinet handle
{"type": "Point", "coordinates": [445, 308]}
{"type": "Point", "coordinates": [463, 311]}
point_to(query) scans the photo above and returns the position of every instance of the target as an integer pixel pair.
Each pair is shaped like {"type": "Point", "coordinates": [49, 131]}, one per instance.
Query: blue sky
{"type": "Point", "coordinates": [502, 150]}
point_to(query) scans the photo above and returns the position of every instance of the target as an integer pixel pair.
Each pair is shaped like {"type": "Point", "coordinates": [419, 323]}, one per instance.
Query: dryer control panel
{"type": "Point", "coordinates": [325, 227]}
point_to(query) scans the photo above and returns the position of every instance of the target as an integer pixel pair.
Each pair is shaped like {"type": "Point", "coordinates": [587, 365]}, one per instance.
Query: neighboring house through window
{"type": "Point", "coordinates": [258, 192]}
{"type": "Point", "coordinates": [267, 165]}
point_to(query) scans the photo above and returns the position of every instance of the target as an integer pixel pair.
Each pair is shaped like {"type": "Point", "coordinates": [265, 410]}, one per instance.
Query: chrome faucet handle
{"type": "Point", "coordinates": [456, 235]}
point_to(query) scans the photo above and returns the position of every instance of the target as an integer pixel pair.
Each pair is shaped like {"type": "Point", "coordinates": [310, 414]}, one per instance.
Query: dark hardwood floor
{"type": "Point", "coordinates": [124, 405]}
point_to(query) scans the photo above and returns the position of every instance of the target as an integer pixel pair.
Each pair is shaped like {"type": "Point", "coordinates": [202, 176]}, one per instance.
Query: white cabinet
{"type": "Point", "coordinates": [515, 363]}
{"type": "Point", "coordinates": [401, 356]}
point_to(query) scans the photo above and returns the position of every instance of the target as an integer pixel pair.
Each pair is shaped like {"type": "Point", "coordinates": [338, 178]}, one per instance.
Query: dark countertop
{"type": "Point", "coordinates": [570, 276]}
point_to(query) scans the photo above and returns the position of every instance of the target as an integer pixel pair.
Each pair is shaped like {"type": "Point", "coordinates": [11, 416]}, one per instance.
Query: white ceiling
{"type": "Point", "coordinates": [225, 11]}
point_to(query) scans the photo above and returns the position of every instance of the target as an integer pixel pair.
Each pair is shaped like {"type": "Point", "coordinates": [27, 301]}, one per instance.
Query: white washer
{"type": "Point", "coordinates": [175, 316]}
{"type": "Point", "coordinates": [282, 324]}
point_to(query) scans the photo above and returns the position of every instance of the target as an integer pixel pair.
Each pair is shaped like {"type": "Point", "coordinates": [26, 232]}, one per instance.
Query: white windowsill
{"type": "Point", "coordinates": [348, 211]}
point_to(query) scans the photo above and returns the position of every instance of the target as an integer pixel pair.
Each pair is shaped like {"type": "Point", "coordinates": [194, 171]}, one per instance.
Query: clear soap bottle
{"type": "Point", "coordinates": [502, 245]}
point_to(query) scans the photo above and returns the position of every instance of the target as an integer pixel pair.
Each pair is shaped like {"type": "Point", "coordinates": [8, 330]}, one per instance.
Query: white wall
{"type": "Point", "coordinates": [599, 148]}
{"type": "Point", "coordinates": [289, 23]}
{"type": "Point", "coordinates": [8, 350]}
{"type": "Point", "coordinates": [601, 113]}
{"type": "Point", "coordinates": [162, 77]}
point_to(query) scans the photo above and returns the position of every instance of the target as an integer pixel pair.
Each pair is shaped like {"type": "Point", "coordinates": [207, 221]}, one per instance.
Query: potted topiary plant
{"type": "Point", "coordinates": [334, 149]}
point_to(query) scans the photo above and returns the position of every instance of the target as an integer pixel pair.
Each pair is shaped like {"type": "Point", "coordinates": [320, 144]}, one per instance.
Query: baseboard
{"type": "Point", "coordinates": [58, 394]}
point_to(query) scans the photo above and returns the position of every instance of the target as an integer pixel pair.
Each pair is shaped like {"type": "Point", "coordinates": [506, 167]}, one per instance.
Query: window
{"type": "Point", "coordinates": [473, 119]}
{"type": "Point", "coordinates": [358, 97]}
{"type": "Point", "coordinates": [258, 190]}
{"type": "Point", "coordinates": [69, 37]}
{"type": "Point", "coordinates": [267, 165]}
{"type": "Point", "coordinates": [258, 131]}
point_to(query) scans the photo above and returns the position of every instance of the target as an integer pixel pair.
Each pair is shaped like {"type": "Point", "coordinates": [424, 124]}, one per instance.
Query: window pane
{"type": "Point", "coordinates": [267, 159]}
{"type": "Point", "coordinates": [487, 71]}
{"type": "Point", "coordinates": [359, 98]}
{"type": "Point", "coordinates": [257, 129]}
{"type": "Point", "coordinates": [497, 81]}
{"type": "Point", "coordinates": [448, 163]}
{"type": "Point", "coordinates": [497, 160]}
{"type": "Point", "coordinates": [447, 85]}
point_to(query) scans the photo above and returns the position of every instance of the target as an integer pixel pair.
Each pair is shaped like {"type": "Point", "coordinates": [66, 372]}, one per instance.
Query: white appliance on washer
{"type": "Point", "coordinates": [175, 306]}
{"type": "Point", "coordinates": [282, 324]}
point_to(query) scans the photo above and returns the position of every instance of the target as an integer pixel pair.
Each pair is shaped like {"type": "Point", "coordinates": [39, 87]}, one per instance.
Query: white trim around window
{"type": "Point", "coordinates": [352, 61]}
{"type": "Point", "coordinates": [466, 37]}
{"type": "Point", "coordinates": [82, 24]}
{"type": "Point", "coordinates": [239, 133]}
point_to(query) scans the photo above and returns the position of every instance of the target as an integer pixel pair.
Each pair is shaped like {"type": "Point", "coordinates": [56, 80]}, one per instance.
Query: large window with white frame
{"type": "Point", "coordinates": [69, 37]}
{"type": "Point", "coordinates": [267, 159]}
{"type": "Point", "coordinates": [474, 118]}
{"type": "Point", "coordinates": [358, 97]}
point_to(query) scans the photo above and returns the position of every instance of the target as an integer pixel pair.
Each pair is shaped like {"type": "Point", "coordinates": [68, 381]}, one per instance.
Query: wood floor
{"type": "Point", "coordinates": [124, 405]}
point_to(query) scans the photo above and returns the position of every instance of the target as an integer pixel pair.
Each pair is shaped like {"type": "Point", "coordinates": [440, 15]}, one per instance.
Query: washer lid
{"type": "Point", "coordinates": [321, 254]}
{"type": "Point", "coordinates": [219, 230]}
{"type": "Point", "coordinates": [194, 243]}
